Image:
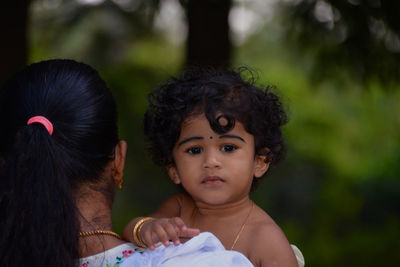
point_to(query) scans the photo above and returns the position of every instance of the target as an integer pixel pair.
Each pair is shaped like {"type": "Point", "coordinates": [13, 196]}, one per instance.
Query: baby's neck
{"type": "Point", "coordinates": [225, 221]}
{"type": "Point", "coordinates": [223, 210]}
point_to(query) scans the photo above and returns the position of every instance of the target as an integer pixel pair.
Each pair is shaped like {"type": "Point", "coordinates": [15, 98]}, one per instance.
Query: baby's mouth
{"type": "Point", "coordinates": [212, 180]}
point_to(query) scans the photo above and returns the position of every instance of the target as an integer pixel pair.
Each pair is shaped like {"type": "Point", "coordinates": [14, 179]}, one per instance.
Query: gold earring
{"type": "Point", "coordinates": [120, 184]}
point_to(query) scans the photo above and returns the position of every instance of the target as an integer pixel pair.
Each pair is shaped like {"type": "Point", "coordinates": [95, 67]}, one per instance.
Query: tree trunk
{"type": "Point", "coordinates": [13, 45]}
{"type": "Point", "coordinates": [208, 42]}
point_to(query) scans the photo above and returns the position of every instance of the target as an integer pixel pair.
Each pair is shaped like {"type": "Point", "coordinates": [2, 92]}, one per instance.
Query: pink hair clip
{"type": "Point", "coordinates": [42, 120]}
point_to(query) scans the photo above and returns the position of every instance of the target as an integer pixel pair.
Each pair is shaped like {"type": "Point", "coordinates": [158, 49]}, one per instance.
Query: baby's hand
{"type": "Point", "coordinates": [165, 230]}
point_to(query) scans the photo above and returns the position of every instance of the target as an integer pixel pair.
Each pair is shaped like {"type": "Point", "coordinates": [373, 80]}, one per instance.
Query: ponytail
{"type": "Point", "coordinates": [41, 166]}
{"type": "Point", "coordinates": [38, 214]}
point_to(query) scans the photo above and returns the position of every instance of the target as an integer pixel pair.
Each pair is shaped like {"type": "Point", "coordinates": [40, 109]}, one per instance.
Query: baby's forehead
{"type": "Point", "coordinates": [221, 124]}
{"type": "Point", "coordinates": [220, 118]}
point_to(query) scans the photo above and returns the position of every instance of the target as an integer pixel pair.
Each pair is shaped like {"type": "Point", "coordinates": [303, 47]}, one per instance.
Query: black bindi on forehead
{"type": "Point", "coordinates": [211, 137]}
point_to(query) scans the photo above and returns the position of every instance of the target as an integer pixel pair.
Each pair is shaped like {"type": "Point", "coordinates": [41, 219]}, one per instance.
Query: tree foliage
{"type": "Point", "coordinates": [361, 35]}
{"type": "Point", "coordinates": [98, 33]}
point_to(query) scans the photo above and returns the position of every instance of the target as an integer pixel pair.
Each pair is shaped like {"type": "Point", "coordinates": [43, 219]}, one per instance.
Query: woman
{"type": "Point", "coordinates": [60, 164]}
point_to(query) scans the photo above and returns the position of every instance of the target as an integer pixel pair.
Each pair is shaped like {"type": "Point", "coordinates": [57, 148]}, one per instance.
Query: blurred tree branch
{"type": "Point", "coordinates": [208, 40]}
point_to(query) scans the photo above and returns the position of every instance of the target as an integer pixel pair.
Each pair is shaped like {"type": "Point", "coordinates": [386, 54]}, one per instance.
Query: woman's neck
{"type": "Point", "coordinates": [94, 211]}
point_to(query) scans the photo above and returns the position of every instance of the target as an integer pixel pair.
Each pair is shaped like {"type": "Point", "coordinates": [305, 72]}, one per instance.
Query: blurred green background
{"type": "Point", "coordinates": [336, 65]}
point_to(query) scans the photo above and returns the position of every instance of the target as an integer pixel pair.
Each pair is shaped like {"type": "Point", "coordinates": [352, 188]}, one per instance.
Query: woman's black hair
{"type": "Point", "coordinates": [39, 172]}
{"type": "Point", "coordinates": [212, 92]}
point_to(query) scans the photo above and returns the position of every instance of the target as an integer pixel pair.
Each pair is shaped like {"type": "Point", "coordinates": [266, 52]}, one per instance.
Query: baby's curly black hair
{"type": "Point", "coordinates": [212, 92]}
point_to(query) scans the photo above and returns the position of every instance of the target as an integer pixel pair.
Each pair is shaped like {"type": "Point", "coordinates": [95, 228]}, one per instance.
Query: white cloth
{"type": "Point", "coordinates": [299, 256]}
{"type": "Point", "coordinates": [110, 258]}
{"type": "Point", "coordinates": [200, 251]}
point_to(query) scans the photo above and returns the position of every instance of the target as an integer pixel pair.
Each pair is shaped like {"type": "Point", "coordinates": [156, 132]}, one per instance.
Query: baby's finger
{"type": "Point", "coordinates": [179, 223]}
{"type": "Point", "coordinates": [172, 232]}
{"type": "Point", "coordinates": [189, 232]}
{"type": "Point", "coordinates": [162, 235]}
{"type": "Point", "coordinates": [148, 240]}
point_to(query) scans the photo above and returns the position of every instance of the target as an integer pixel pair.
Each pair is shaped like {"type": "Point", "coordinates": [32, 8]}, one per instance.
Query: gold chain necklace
{"type": "Point", "coordinates": [241, 228]}
{"type": "Point", "coordinates": [99, 232]}
{"type": "Point", "coordinates": [243, 225]}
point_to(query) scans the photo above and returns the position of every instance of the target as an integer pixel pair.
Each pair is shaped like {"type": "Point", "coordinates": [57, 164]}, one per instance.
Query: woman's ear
{"type": "Point", "coordinates": [119, 161]}
{"type": "Point", "coordinates": [173, 174]}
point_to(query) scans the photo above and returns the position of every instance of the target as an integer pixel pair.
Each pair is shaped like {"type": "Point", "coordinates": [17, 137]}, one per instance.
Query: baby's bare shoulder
{"type": "Point", "coordinates": [268, 242]}
{"type": "Point", "coordinates": [265, 231]}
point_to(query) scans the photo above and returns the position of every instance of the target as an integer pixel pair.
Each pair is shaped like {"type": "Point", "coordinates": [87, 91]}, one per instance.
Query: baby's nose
{"type": "Point", "coordinates": [212, 160]}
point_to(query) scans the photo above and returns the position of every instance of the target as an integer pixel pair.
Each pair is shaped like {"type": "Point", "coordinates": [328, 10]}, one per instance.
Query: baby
{"type": "Point", "coordinates": [216, 135]}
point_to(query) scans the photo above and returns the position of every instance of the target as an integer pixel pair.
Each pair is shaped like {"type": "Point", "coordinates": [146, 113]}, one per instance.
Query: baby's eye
{"type": "Point", "coordinates": [194, 150]}
{"type": "Point", "coordinates": [228, 148]}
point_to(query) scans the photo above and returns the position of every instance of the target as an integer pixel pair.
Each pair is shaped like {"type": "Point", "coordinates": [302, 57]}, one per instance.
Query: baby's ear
{"type": "Point", "coordinates": [261, 163]}
{"type": "Point", "coordinates": [173, 174]}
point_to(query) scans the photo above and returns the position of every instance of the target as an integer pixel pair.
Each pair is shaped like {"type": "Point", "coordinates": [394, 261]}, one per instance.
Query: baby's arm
{"type": "Point", "coordinates": [165, 226]}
